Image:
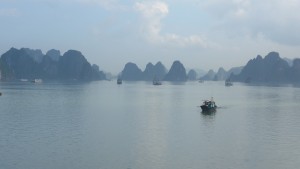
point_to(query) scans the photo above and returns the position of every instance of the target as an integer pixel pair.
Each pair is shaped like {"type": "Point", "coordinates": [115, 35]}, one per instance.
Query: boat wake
{"type": "Point", "coordinates": [222, 107]}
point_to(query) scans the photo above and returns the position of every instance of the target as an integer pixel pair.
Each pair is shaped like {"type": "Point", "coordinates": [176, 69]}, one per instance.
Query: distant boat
{"type": "Point", "coordinates": [0, 94]}
{"type": "Point", "coordinates": [228, 83]}
{"type": "Point", "coordinates": [156, 81]}
{"type": "Point", "coordinates": [209, 105]}
{"type": "Point", "coordinates": [119, 81]}
{"type": "Point", "coordinates": [201, 81]}
{"type": "Point", "coordinates": [37, 81]}
{"type": "Point", "coordinates": [24, 80]}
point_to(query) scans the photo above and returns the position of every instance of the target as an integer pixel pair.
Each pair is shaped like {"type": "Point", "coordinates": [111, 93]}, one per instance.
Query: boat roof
{"type": "Point", "coordinates": [208, 101]}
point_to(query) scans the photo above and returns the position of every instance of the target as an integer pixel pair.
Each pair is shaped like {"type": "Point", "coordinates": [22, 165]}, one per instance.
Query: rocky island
{"type": "Point", "coordinates": [29, 64]}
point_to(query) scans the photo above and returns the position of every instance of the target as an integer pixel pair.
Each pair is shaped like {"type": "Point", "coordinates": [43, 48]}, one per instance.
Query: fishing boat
{"type": "Point", "coordinates": [156, 81]}
{"type": "Point", "coordinates": [119, 81]}
{"type": "Point", "coordinates": [228, 83]}
{"type": "Point", "coordinates": [24, 80]}
{"type": "Point", "coordinates": [37, 81]}
{"type": "Point", "coordinates": [209, 105]}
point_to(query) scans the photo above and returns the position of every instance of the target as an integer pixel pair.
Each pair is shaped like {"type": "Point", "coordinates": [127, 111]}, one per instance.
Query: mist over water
{"type": "Point", "coordinates": [137, 125]}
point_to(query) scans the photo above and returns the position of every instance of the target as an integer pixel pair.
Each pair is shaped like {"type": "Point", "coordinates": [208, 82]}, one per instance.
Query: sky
{"type": "Point", "coordinates": [202, 34]}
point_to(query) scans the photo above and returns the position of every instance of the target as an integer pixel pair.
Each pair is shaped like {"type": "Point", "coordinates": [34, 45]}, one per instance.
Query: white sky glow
{"type": "Point", "coordinates": [204, 34]}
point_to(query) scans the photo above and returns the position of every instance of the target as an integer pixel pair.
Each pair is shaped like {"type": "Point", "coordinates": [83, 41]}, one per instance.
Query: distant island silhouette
{"type": "Point", "coordinates": [131, 72]}
{"type": "Point", "coordinates": [270, 69]}
{"type": "Point", "coordinates": [30, 64]}
{"type": "Point", "coordinates": [25, 63]}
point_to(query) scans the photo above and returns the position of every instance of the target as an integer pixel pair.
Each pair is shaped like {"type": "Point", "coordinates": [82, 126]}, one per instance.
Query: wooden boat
{"type": "Point", "coordinates": [119, 81]}
{"type": "Point", "coordinates": [37, 81]}
{"type": "Point", "coordinates": [156, 82]}
{"type": "Point", "coordinates": [209, 105]}
{"type": "Point", "coordinates": [228, 83]}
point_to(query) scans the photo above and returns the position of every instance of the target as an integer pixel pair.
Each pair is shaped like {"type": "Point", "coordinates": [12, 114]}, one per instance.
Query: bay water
{"type": "Point", "coordinates": [136, 125]}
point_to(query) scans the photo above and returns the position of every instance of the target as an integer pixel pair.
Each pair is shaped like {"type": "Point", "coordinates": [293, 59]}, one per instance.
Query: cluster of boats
{"type": "Point", "coordinates": [154, 82]}
{"type": "Point", "coordinates": [207, 105]}
{"type": "Point", "coordinates": [32, 81]}
{"type": "Point", "coordinates": [227, 82]}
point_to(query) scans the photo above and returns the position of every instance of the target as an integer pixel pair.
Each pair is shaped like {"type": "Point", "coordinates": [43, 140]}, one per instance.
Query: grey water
{"type": "Point", "coordinates": [136, 125]}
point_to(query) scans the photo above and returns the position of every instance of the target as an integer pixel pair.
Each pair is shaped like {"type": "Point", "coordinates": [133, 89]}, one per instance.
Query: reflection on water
{"type": "Point", "coordinates": [208, 119]}
{"type": "Point", "coordinates": [210, 113]}
{"type": "Point", "coordinates": [137, 125]}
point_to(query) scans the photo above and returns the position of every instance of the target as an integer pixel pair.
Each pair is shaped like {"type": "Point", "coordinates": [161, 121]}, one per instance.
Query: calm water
{"type": "Point", "coordinates": [101, 125]}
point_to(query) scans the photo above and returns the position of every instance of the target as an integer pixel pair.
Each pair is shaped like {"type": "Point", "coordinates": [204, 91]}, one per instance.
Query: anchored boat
{"type": "Point", "coordinates": [209, 105]}
{"type": "Point", "coordinates": [228, 84]}
{"type": "Point", "coordinates": [156, 81]}
{"type": "Point", "coordinates": [119, 81]}
{"type": "Point", "coordinates": [37, 81]}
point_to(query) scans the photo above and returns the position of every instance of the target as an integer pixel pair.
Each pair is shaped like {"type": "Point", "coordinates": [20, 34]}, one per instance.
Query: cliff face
{"type": "Point", "coordinates": [132, 72]}
{"type": "Point", "coordinates": [19, 64]}
{"type": "Point", "coordinates": [31, 64]}
{"type": "Point", "coordinates": [49, 68]}
{"type": "Point", "coordinates": [192, 75]}
{"type": "Point", "coordinates": [177, 73]}
{"type": "Point", "coordinates": [235, 71]}
{"type": "Point", "coordinates": [295, 71]}
{"type": "Point", "coordinates": [157, 71]}
{"type": "Point", "coordinates": [73, 65]}
{"type": "Point", "coordinates": [37, 55]}
{"type": "Point", "coordinates": [149, 72]}
{"type": "Point", "coordinates": [160, 70]}
{"type": "Point", "coordinates": [222, 74]}
{"type": "Point", "coordinates": [269, 69]}
{"type": "Point", "coordinates": [54, 54]}
{"type": "Point", "coordinates": [209, 75]}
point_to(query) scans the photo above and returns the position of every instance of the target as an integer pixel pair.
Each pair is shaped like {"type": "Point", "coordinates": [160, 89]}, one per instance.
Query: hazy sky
{"type": "Point", "coordinates": [201, 34]}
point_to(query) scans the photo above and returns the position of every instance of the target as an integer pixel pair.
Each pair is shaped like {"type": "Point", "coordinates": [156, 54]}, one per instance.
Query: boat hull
{"type": "Point", "coordinates": [156, 83]}
{"type": "Point", "coordinates": [207, 109]}
{"type": "Point", "coordinates": [119, 81]}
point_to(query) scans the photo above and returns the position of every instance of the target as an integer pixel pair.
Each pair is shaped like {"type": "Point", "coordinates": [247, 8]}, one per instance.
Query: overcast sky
{"type": "Point", "coordinates": [202, 34]}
